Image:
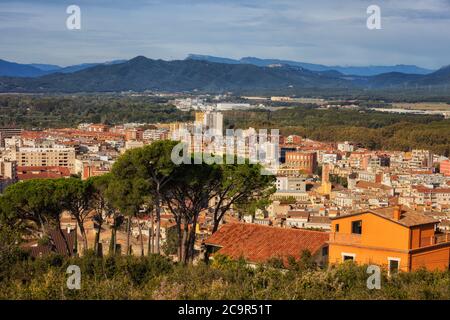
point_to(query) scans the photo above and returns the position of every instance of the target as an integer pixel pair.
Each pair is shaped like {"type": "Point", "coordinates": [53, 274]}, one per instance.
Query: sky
{"type": "Point", "coordinates": [331, 32]}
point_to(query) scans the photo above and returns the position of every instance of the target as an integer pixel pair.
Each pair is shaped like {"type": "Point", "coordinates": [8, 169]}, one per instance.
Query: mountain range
{"type": "Point", "coordinates": [350, 70]}
{"type": "Point", "coordinates": [141, 73]}
{"type": "Point", "coordinates": [13, 69]}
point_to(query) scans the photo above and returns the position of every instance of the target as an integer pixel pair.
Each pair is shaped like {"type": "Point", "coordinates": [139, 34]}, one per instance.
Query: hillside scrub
{"type": "Point", "coordinates": [155, 277]}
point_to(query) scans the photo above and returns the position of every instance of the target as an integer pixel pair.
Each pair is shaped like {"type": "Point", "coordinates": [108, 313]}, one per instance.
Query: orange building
{"type": "Point", "coordinates": [389, 237]}
{"type": "Point", "coordinates": [303, 161]}
{"type": "Point", "coordinates": [199, 117]}
{"type": "Point", "coordinates": [325, 187]}
{"type": "Point", "coordinates": [93, 171]}
{"type": "Point", "coordinates": [445, 167]}
{"type": "Point", "coordinates": [134, 134]}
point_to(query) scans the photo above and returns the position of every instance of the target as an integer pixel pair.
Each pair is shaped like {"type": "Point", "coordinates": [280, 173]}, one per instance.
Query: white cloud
{"type": "Point", "coordinates": [320, 31]}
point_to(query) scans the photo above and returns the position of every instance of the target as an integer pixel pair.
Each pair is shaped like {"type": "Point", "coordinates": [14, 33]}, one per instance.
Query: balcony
{"type": "Point", "coordinates": [348, 238]}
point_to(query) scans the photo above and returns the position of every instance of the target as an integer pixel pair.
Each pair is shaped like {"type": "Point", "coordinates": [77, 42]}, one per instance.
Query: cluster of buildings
{"type": "Point", "coordinates": [395, 238]}
{"type": "Point", "coordinates": [319, 179]}
{"type": "Point", "coordinates": [201, 104]}
{"type": "Point", "coordinates": [338, 200]}
{"type": "Point", "coordinates": [87, 151]}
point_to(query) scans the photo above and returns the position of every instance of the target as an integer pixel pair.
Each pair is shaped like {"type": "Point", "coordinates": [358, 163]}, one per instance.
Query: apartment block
{"type": "Point", "coordinates": [8, 169]}
{"type": "Point", "coordinates": [430, 197]}
{"type": "Point", "coordinates": [43, 157]}
{"type": "Point", "coordinates": [303, 161]}
{"type": "Point", "coordinates": [8, 133]}
{"type": "Point", "coordinates": [214, 122]}
{"type": "Point", "coordinates": [290, 184]}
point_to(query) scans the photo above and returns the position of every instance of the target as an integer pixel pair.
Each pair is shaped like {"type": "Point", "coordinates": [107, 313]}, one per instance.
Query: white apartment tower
{"type": "Point", "coordinates": [213, 121]}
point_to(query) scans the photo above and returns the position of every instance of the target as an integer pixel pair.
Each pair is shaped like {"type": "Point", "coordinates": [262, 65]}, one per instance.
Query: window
{"type": "Point", "coordinates": [357, 227]}
{"type": "Point", "coordinates": [336, 227]}
{"type": "Point", "coordinates": [394, 265]}
{"type": "Point", "coordinates": [324, 251]}
{"type": "Point", "coordinates": [348, 256]}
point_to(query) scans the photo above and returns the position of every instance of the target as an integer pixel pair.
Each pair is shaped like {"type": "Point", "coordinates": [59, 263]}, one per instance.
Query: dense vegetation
{"type": "Point", "coordinates": [155, 277]}
{"type": "Point", "coordinates": [69, 111]}
{"type": "Point", "coordinates": [373, 130]}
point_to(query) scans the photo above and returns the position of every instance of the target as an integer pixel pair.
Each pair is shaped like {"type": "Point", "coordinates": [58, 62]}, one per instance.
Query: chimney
{"type": "Point", "coordinates": [397, 212]}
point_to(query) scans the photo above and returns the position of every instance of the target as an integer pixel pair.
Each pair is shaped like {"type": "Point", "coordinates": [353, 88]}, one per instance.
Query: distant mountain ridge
{"type": "Point", "coordinates": [141, 74]}
{"type": "Point", "coordinates": [45, 67]}
{"type": "Point", "coordinates": [350, 70]}
{"type": "Point", "coordinates": [13, 69]}
{"type": "Point", "coordinates": [189, 75]}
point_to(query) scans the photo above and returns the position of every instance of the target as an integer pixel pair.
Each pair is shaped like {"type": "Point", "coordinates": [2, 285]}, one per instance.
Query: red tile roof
{"type": "Point", "coordinates": [59, 244]}
{"type": "Point", "coordinates": [423, 189]}
{"type": "Point", "coordinates": [408, 218]}
{"type": "Point", "coordinates": [257, 243]}
{"type": "Point", "coordinates": [297, 214]}
{"type": "Point", "coordinates": [42, 172]}
{"type": "Point", "coordinates": [371, 185]}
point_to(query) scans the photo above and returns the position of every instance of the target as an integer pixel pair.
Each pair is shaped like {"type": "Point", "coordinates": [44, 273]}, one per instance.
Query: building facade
{"type": "Point", "coordinates": [302, 161]}
{"type": "Point", "coordinates": [396, 239]}
{"type": "Point", "coordinates": [43, 157]}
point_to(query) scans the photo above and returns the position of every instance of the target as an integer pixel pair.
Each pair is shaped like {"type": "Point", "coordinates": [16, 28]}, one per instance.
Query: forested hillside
{"type": "Point", "coordinates": [373, 130]}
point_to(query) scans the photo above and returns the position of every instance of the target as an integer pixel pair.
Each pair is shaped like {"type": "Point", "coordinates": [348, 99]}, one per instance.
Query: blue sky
{"type": "Point", "coordinates": [330, 32]}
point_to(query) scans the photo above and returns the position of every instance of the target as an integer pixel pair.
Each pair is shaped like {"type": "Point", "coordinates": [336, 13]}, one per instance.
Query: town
{"type": "Point", "coordinates": [224, 158]}
{"type": "Point", "coordinates": [336, 200]}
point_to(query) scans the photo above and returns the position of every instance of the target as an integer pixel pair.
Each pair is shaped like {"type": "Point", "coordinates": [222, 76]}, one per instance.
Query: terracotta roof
{"type": "Point", "coordinates": [42, 168]}
{"type": "Point", "coordinates": [423, 189]}
{"type": "Point", "coordinates": [60, 246]}
{"type": "Point", "coordinates": [372, 185]}
{"type": "Point", "coordinates": [297, 214]}
{"type": "Point", "coordinates": [33, 134]}
{"type": "Point", "coordinates": [408, 218]}
{"type": "Point", "coordinates": [42, 172]}
{"type": "Point", "coordinates": [42, 175]}
{"type": "Point", "coordinates": [257, 243]}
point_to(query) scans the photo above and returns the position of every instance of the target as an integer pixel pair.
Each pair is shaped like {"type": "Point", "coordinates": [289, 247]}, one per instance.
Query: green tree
{"type": "Point", "coordinates": [31, 201]}
{"type": "Point", "coordinates": [34, 201]}
{"type": "Point", "coordinates": [154, 166]}
{"type": "Point", "coordinates": [74, 195]}
{"type": "Point", "coordinates": [170, 246]}
{"type": "Point", "coordinates": [101, 204]}
{"type": "Point", "coordinates": [240, 185]}
{"type": "Point", "coordinates": [157, 168]}
{"type": "Point", "coordinates": [127, 196]}
{"type": "Point", "coordinates": [187, 194]}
